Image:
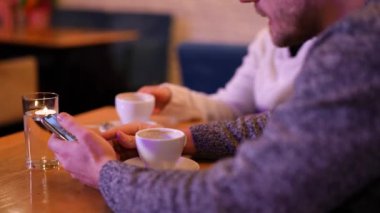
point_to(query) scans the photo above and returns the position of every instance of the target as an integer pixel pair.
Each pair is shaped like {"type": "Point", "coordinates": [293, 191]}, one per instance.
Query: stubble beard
{"type": "Point", "coordinates": [293, 27]}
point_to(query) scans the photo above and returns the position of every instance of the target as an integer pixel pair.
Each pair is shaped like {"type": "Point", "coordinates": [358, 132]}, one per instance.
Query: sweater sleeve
{"type": "Point", "coordinates": [221, 138]}
{"type": "Point", "coordinates": [318, 149]}
{"type": "Point", "coordinates": [187, 105]}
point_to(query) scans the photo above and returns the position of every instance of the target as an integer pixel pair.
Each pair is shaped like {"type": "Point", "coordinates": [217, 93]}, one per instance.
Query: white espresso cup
{"type": "Point", "coordinates": [160, 148]}
{"type": "Point", "coordinates": [134, 106]}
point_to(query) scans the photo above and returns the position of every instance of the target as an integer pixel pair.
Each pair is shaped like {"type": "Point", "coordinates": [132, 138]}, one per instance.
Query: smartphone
{"type": "Point", "coordinates": [51, 123]}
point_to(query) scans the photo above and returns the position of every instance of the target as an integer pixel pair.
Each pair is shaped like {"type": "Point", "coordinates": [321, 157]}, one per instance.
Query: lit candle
{"type": "Point", "coordinates": [45, 111]}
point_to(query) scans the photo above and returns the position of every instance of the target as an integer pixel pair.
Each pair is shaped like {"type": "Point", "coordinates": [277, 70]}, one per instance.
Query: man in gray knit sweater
{"type": "Point", "coordinates": [316, 151]}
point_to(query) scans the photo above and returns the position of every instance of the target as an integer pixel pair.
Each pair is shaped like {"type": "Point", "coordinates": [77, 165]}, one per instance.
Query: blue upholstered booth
{"type": "Point", "coordinates": [207, 66]}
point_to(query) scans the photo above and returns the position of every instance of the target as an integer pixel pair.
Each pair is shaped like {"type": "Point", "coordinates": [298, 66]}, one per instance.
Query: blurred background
{"type": "Point", "coordinates": [204, 21]}
{"type": "Point", "coordinates": [194, 43]}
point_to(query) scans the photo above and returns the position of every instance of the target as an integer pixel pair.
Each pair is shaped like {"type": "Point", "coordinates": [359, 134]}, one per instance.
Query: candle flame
{"type": "Point", "coordinates": [45, 111]}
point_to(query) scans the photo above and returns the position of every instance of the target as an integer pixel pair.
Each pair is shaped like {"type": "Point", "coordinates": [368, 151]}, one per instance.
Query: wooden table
{"type": "Point", "coordinates": [66, 37]}
{"type": "Point", "coordinates": [23, 190]}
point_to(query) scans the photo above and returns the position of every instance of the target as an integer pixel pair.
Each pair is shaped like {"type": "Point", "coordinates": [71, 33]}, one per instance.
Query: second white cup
{"type": "Point", "coordinates": [160, 148]}
{"type": "Point", "coordinates": [134, 106]}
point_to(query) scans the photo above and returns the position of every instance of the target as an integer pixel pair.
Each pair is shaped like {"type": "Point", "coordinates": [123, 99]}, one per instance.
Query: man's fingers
{"type": "Point", "coordinates": [127, 141]}
{"type": "Point", "coordinates": [60, 147]}
{"type": "Point", "coordinates": [69, 124]}
{"type": "Point", "coordinates": [129, 129]}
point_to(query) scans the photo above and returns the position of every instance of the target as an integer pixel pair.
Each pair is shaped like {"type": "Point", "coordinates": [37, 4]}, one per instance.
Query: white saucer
{"type": "Point", "coordinates": [182, 163]}
{"type": "Point", "coordinates": [112, 124]}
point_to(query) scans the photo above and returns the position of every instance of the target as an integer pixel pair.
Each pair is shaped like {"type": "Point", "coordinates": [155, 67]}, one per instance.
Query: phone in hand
{"type": "Point", "coordinates": [51, 123]}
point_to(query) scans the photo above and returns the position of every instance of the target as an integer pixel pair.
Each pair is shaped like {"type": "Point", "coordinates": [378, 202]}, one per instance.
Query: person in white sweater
{"type": "Point", "coordinates": [263, 81]}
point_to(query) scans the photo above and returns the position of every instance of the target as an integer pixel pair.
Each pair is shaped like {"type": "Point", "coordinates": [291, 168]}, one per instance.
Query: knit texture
{"type": "Point", "coordinates": [220, 139]}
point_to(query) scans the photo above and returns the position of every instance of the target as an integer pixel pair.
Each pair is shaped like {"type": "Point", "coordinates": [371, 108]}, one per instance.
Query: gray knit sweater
{"type": "Point", "coordinates": [318, 149]}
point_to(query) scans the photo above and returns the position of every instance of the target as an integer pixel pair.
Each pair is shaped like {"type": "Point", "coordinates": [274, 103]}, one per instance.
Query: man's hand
{"type": "Point", "coordinates": [125, 134]}
{"type": "Point", "coordinates": [85, 157]}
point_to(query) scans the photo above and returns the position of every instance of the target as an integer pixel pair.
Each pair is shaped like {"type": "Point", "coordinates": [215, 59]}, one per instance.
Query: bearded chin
{"type": "Point", "coordinates": [279, 38]}
{"type": "Point", "coordinates": [286, 38]}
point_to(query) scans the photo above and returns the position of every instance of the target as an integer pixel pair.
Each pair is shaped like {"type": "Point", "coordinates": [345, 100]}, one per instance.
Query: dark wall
{"type": "Point", "coordinates": [138, 63]}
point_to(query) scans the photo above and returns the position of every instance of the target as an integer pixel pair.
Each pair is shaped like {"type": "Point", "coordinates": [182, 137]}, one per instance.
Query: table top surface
{"type": "Point", "coordinates": [24, 190]}
{"type": "Point", "coordinates": [66, 37]}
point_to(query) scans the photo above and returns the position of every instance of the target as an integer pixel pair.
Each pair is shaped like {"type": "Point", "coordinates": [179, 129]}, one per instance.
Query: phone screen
{"type": "Point", "coordinates": [51, 123]}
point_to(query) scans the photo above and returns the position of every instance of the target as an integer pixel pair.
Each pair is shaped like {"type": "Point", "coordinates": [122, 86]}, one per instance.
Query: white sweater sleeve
{"type": "Point", "coordinates": [238, 94]}
{"type": "Point", "coordinates": [186, 104]}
